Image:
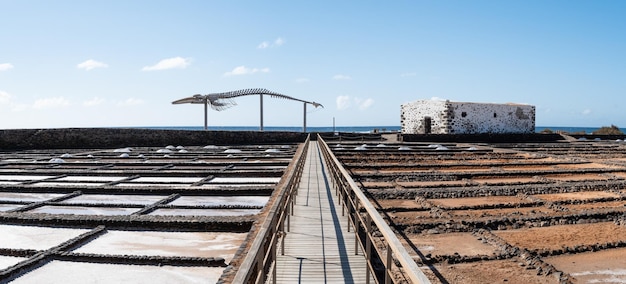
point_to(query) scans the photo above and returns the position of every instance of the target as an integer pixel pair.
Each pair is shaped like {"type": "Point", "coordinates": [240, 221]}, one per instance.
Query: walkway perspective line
{"type": "Point", "coordinates": [319, 248]}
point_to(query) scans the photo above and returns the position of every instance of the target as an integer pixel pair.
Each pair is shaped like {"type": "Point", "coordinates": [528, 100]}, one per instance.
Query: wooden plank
{"type": "Point", "coordinates": [319, 248]}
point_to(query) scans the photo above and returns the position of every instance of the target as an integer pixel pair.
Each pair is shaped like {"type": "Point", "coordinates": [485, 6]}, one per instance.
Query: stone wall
{"type": "Point", "coordinates": [412, 117]}
{"type": "Point", "coordinates": [75, 138]}
{"type": "Point", "coordinates": [471, 118]}
{"type": "Point", "coordinates": [466, 118]}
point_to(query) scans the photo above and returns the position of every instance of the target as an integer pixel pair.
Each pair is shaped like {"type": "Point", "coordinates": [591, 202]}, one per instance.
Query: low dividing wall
{"type": "Point", "coordinates": [484, 138]}
{"type": "Point", "coordinates": [73, 138]}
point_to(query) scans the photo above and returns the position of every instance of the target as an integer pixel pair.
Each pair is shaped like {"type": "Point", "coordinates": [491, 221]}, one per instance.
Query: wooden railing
{"type": "Point", "coordinates": [384, 248]}
{"type": "Point", "coordinates": [261, 257]}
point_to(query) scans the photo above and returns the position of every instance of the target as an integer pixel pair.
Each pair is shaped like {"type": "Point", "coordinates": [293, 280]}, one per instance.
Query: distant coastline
{"type": "Point", "coordinates": [354, 129]}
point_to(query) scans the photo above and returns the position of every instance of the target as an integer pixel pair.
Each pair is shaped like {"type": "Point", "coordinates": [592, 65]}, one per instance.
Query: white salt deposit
{"type": "Point", "coordinates": [78, 210]}
{"type": "Point", "coordinates": [211, 147]}
{"type": "Point", "coordinates": [23, 177]}
{"type": "Point", "coordinates": [56, 161]}
{"type": "Point", "coordinates": [123, 150]}
{"type": "Point", "coordinates": [245, 180]}
{"type": "Point", "coordinates": [27, 197]}
{"type": "Point", "coordinates": [32, 237]}
{"type": "Point", "coordinates": [168, 179]}
{"type": "Point", "coordinates": [7, 261]}
{"type": "Point", "coordinates": [112, 199]}
{"type": "Point", "coordinates": [124, 155]}
{"type": "Point", "coordinates": [170, 147]}
{"type": "Point", "coordinates": [92, 178]}
{"type": "Point", "coordinates": [205, 212]}
{"type": "Point", "coordinates": [7, 207]}
{"type": "Point", "coordinates": [232, 151]}
{"type": "Point", "coordinates": [68, 272]}
{"type": "Point", "coordinates": [66, 155]}
{"type": "Point", "coordinates": [152, 243]}
{"type": "Point", "coordinates": [164, 151]}
{"type": "Point", "coordinates": [220, 200]}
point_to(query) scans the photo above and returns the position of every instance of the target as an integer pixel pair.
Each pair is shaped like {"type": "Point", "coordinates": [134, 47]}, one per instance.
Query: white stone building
{"type": "Point", "coordinates": [446, 117]}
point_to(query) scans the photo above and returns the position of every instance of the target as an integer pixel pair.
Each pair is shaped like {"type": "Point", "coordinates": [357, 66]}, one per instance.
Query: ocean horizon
{"type": "Point", "coordinates": [351, 129]}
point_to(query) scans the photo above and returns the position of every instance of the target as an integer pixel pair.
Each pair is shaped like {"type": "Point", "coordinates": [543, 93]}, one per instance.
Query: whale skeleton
{"type": "Point", "coordinates": [225, 100]}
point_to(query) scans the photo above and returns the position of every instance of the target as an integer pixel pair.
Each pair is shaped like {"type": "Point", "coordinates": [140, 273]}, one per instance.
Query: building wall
{"type": "Point", "coordinates": [466, 118]}
{"type": "Point", "coordinates": [473, 118]}
{"type": "Point", "coordinates": [412, 117]}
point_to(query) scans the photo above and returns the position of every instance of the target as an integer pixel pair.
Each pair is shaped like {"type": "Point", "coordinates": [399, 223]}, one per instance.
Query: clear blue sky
{"type": "Point", "coordinates": [121, 63]}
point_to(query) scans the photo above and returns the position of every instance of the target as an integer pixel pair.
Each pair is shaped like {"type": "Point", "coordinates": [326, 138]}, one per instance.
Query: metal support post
{"type": "Point", "coordinates": [261, 112]}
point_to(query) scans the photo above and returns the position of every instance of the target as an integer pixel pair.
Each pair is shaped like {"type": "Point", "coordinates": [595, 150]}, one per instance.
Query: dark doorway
{"type": "Point", "coordinates": [427, 124]}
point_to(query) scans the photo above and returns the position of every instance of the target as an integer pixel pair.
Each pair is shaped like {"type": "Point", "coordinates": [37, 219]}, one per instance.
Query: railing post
{"type": "Point", "coordinates": [388, 266]}
{"type": "Point", "coordinates": [368, 247]}
{"type": "Point", "coordinates": [356, 233]}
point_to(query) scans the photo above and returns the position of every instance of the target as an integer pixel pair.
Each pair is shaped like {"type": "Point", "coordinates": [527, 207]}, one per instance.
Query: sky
{"type": "Point", "coordinates": [121, 63]}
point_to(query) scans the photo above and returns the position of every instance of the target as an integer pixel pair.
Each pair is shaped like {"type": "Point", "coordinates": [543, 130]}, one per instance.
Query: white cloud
{"type": "Point", "coordinates": [586, 112]}
{"type": "Point", "coordinates": [130, 102]}
{"type": "Point", "coordinates": [365, 104]}
{"type": "Point", "coordinates": [91, 64]}
{"type": "Point", "coordinates": [343, 102]}
{"type": "Point", "coordinates": [93, 102]}
{"type": "Point", "coordinates": [410, 74]}
{"type": "Point", "coordinates": [5, 66]}
{"type": "Point", "coordinates": [302, 80]}
{"type": "Point", "coordinates": [4, 97]}
{"type": "Point", "coordinates": [277, 42]}
{"type": "Point", "coordinates": [243, 70]}
{"type": "Point", "coordinates": [342, 77]}
{"type": "Point", "coordinates": [47, 103]}
{"type": "Point", "coordinates": [169, 63]}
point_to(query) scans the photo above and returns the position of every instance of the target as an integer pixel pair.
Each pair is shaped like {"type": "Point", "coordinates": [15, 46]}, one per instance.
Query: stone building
{"type": "Point", "coordinates": [446, 117]}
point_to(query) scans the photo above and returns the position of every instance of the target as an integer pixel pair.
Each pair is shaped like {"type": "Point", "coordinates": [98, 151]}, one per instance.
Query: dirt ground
{"type": "Point", "coordinates": [593, 267]}
{"type": "Point", "coordinates": [556, 237]}
{"type": "Point", "coordinates": [499, 271]}
{"type": "Point", "coordinates": [576, 200]}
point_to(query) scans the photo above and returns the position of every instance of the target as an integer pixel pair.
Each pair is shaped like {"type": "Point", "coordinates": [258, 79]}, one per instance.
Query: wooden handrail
{"type": "Point", "coordinates": [262, 253]}
{"type": "Point", "coordinates": [350, 189]}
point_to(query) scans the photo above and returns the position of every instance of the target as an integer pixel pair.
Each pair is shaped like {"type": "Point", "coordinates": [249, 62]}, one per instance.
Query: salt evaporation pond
{"type": "Point", "coordinates": [150, 243]}
{"type": "Point", "coordinates": [68, 272]}
{"type": "Point", "coordinates": [7, 261]}
{"type": "Point", "coordinates": [27, 197]}
{"type": "Point", "coordinates": [115, 199]}
{"type": "Point", "coordinates": [32, 237]}
{"type": "Point", "coordinates": [245, 180]}
{"type": "Point", "coordinates": [220, 200]}
{"type": "Point", "coordinates": [204, 212]}
{"type": "Point", "coordinates": [7, 207]}
{"type": "Point", "coordinates": [79, 210]}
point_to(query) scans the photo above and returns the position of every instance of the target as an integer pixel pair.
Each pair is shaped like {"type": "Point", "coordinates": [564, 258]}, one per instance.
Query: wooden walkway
{"type": "Point", "coordinates": [319, 248]}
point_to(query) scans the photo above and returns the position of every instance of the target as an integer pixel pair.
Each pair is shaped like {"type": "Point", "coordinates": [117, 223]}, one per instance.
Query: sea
{"type": "Point", "coordinates": [351, 129]}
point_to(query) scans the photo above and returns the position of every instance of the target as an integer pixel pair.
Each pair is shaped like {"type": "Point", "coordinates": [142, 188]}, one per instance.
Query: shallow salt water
{"type": "Point", "coordinates": [115, 199]}
{"type": "Point", "coordinates": [32, 237]}
{"type": "Point", "coordinates": [7, 261]}
{"type": "Point", "coordinates": [245, 180]}
{"type": "Point", "coordinates": [78, 210]}
{"type": "Point", "coordinates": [67, 272]}
{"type": "Point", "coordinates": [204, 212]}
{"type": "Point", "coordinates": [191, 244]}
{"type": "Point", "coordinates": [7, 207]}
{"type": "Point", "coordinates": [27, 197]}
{"type": "Point", "coordinates": [220, 200]}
